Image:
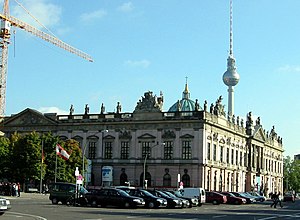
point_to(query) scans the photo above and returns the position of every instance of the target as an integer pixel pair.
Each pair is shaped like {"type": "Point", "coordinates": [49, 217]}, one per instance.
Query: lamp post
{"type": "Point", "coordinates": [84, 149]}
{"type": "Point", "coordinates": [145, 161]}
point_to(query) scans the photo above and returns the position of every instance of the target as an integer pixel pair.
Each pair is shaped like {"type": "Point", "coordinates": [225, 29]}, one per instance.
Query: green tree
{"type": "Point", "coordinates": [4, 157]}
{"type": "Point", "coordinates": [26, 157]}
{"type": "Point", "coordinates": [291, 172]}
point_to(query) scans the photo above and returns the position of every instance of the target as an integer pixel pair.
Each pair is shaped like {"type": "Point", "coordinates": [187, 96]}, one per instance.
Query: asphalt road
{"type": "Point", "coordinates": [36, 206]}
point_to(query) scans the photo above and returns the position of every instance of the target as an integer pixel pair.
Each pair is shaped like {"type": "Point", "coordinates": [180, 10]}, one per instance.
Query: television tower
{"type": "Point", "coordinates": [231, 77]}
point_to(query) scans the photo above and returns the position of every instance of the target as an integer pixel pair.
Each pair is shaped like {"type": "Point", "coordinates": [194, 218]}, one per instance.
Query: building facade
{"type": "Point", "coordinates": [198, 146]}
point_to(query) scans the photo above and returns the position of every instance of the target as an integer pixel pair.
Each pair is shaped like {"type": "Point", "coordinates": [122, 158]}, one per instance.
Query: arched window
{"type": "Point", "coordinates": [123, 178]}
{"type": "Point", "coordinates": [167, 178]}
{"type": "Point", "coordinates": [147, 177]}
{"type": "Point", "coordinates": [186, 179]}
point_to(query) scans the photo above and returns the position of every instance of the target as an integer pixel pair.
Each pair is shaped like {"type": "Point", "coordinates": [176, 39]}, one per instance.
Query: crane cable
{"type": "Point", "coordinates": [34, 18]}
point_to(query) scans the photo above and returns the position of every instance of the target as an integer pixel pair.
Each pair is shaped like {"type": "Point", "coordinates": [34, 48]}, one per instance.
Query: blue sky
{"type": "Point", "coordinates": [141, 45]}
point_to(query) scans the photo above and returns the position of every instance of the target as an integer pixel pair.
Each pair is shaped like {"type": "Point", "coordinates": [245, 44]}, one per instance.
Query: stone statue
{"type": "Point", "coordinates": [119, 108]}
{"type": "Point", "coordinates": [87, 109]}
{"type": "Point", "coordinates": [178, 106]}
{"type": "Point", "coordinates": [205, 105]}
{"type": "Point", "coordinates": [211, 110]}
{"type": "Point", "coordinates": [102, 108]}
{"type": "Point", "coordinates": [197, 107]}
{"type": "Point", "coordinates": [71, 110]}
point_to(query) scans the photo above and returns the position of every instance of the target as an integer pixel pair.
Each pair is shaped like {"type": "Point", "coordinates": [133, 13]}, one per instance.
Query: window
{"type": "Point", "coordinates": [208, 151]}
{"type": "Point", "coordinates": [186, 150]}
{"type": "Point", "coordinates": [92, 150]}
{"type": "Point", "coordinates": [232, 156]}
{"type": "Point", "coordinates": [168, 150]}
{"type": "Point", "coordinates": [146, 150]}
{"type": "Point", "coordinates": [108, 150]}
{"type": "Point", "coordinates": [227, 155]}
{"type": "Point", "coordinates": [236, 157]}
{"type": "Point", "coordinates": [241, 158]}
{"type": "Point", "coordinates": [124, 150]}
{"type": "Point", "coordinates": [215, 152]}
{"type": "Point", "coordinates": [221, 153]}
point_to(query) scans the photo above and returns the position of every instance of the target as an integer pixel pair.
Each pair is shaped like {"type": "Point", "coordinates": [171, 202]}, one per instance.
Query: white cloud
{"type": "Point", "coordinates": [47, 13]}
{"type": "Point", "coordinates": [137, 63]}
{"type": "Point", "coordinates": [126, 7]}
{"type": "Point", "coordinates": [95, 15]}
{"type": "Point", "coordinates": [289, 69]}
{"type": "Point", "coordinates": [52, 110]}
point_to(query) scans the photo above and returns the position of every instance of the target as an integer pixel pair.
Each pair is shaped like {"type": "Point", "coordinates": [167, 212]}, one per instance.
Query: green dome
{"type": "Point", "coordinates": [185, 104]}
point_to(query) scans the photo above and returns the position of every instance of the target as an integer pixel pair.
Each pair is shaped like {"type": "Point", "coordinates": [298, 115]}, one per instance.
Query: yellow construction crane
{"type": "Point", "coordinates": [6, 22]}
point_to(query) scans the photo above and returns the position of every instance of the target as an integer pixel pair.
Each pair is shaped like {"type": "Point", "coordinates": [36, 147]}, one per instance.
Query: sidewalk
{"type": "Point", "coordinates": [28, 196]}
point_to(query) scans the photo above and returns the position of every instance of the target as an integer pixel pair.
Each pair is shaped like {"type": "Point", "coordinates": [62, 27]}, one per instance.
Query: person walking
{"type": "Point", "coordinates": [274, 199]}
{"type": "Point", "coordinates": [278, 200]}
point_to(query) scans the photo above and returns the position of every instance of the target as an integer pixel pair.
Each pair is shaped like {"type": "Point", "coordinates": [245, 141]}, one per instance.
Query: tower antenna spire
{"type": "Point", "coordinates": [231, 32]}
{"type": "Point", "coordinates": [231, 77]}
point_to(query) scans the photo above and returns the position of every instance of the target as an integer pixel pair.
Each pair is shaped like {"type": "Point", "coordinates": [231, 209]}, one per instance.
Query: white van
{"type": "Point", "coordinates": [198, 193]}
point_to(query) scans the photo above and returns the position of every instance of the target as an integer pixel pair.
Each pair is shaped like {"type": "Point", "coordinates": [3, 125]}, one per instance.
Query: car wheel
{"type": "Point", "coordinates": [261, 200]}
{"type": "Point", "coordinates": [54, 201]}
{"type": "Point", "coordinates": [236, 202]}
{"type": "Point", "coordinates": [215, 202]}
{"type": "Point", "coordinates": [94, 203]}
{"type": "Point", "coordinates": [200, 204]}
{"type": "Point", "coordinates": [1, 213]}
{"type": "Point", "coordinates": [151, 205]}
{"type": "Point", "coordinates": [126, 204]}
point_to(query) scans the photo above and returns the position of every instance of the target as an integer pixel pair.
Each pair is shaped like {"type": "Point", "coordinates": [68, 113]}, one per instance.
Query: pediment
{"type": "Point", "coordinates": [187, 136]}
{"type": "Point", "coordinates": [29, 117]}
{"type": "Point", "coordinates": [146, 136]}
{"type": "Point", "coordinates": [259, 134]}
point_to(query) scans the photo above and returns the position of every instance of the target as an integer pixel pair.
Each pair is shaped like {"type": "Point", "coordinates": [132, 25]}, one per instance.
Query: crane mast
{"type": "Point", "coordinates": [6, 22]}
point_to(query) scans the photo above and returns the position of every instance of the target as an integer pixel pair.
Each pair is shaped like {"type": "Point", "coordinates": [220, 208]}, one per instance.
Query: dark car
{"type": "Point", "coordinates": [288, 197]}
{"type": "Point", "coordinates": [151, 201]}
{"type": "Point", "coordinates": [249, 199]}
{"type": "Point", "coordinates": [215, 198]}
{"type": "Point", "coordinates": [66, 193]}
{"type": "Point", "coordinates": [185, 202]}
{"type": "Point", "coordinates": [113, 197]}
{"type": "Point", "coordinates": [232, 199]}
{"type": "Point", "coordinates": [172, 203]}
{"type": "Point", "coordinates": [258, 198]}
{"type": "Point", "coordinates": [193, 201]}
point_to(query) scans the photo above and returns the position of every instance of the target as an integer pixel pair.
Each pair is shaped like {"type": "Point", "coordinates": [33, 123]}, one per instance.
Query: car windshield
{"type": "Point", "coordinates": [146, 193]}
{"type": "Point", "coordinates": [178, 194]}
{"type": "Point", "coordinates": [171, 195]}
{"type": "Point", "coordinates": [123, 193]}
{"type": "Point", "coordinates": [83, 190]}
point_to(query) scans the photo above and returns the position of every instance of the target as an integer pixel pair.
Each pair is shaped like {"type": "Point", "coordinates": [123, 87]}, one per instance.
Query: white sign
{"type": "Point", "coordinates": [107, 174]}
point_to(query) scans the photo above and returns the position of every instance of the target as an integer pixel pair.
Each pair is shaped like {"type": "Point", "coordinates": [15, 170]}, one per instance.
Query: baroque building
{"type": "Point", "coordinates": [197, 146]}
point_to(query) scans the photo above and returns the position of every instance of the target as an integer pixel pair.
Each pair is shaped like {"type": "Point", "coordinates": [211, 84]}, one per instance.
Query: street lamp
{"type": "Point", "coordinates": [145, 160]}
{"type": "Point", "coordinates": [84, 149]}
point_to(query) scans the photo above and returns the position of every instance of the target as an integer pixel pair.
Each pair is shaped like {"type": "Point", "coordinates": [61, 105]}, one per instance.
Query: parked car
{"type": "Point", "coordinates": [185, 202]}
{"type": "Point", "coordinates": [249, 199]}
{"type": "Point", "coordinates": [289, 197]}
{"type": "Point", "coordinates": [198, 193]}
{"type": "Point", "coordinates": [193, 201]}
{"type": "Point", "coordinates": [151, 201]}
{"type": "Point", "coordinates": [113, 197]}
{"type": "Point", "coordinates": [172, 203]}
{"type": "Point", "coordinates": [66, 192]}
{"type": "Point", "coordinates": [258, 198]}
{"type": "Point", "coordinates": [4, 205]}
{"type": "Point", "coordinates": [215, 198]}
{"type": "Point", "coordinates": [232, 199]}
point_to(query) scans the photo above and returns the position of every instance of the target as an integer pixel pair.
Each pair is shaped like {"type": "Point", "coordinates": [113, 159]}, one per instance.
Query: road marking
{"type": "Point", "coordinates": [219, 216]}
{"type": "Point", "coordinates": [33, 216]}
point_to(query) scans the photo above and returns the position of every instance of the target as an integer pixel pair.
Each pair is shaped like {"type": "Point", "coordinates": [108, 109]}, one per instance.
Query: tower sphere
{"type": "Point", "coordinates": [231, 77]}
